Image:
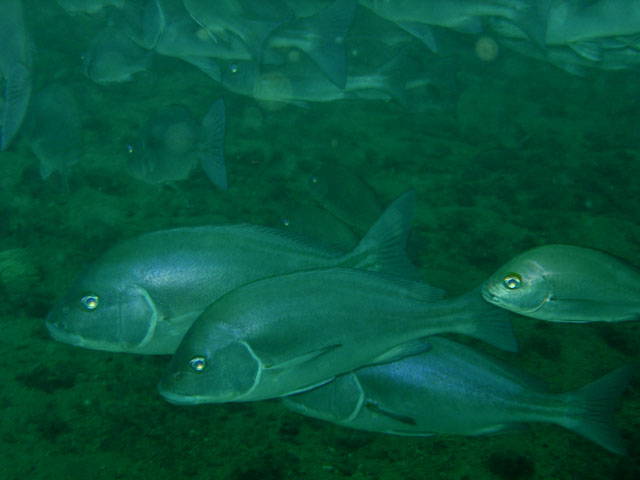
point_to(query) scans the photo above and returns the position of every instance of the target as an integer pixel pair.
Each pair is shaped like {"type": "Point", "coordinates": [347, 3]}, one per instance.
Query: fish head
{"type": "Point", "coordinates": [101, 314]}
{"type": "Point", "coordinates": [520, 286]}
{"type": "Point", "coordinates": [210, 366]}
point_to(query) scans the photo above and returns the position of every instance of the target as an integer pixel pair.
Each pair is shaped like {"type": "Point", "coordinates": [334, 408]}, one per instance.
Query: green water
{"type": "Point", "coordinates": [529, 156]}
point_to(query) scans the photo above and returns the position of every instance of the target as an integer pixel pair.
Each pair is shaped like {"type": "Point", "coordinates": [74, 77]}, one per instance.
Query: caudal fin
{"type": "Point", "coordinates": [383, 247]}
{"type": "Point", "coordinates": [16, 100]}
{"type": "Point", "coordinates": [327, 30]}
{"type": "Point", "coordinates": [487, 322]}
{"type": "Point", "coordinates": [212, 149]}
{"type": "Point", "coordinates": [593, 416]}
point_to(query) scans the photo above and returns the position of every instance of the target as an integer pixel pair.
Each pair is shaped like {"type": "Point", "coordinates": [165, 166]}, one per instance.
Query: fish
{"type": "Point", "coordinates": [113, 57]}
{"type": "Point", "coordinates": [317, 223]}
{"type": "Point", "coordinates": [54, 130]}
{"type": "Point", "coordinates": [467, 16]}
{"type": "Point", "coordinates": [302, 82]}
{"type": "Point", "coordinates": [577, 22]}
{"type": "Point", "coordinates": [454, 389]}
{"type": "Point", "coordinates": [90, 7]}
{"type": "Point", "coordinates": [15, 68]}
{"type": "Point", "coordinates": [250, 20]}
{"type": "Point", "coordinates": [345, 195]}
{"type": "Point", "coordinates": [294, 332]}
{"type": "Point", "coordinates": [142, 295]}
{"type": "Point", "coordinates": [321, 36]}
{"type": "Point", "coordinates": [172, 143]}
{"type": "Point", "coordinates": [567, 59]}
{"type": "Point", "coordinates": [565, 283]}
{"type": "Point", "coordinates": [589, 29]}
{"type": "Point", "coordinates": [181, 37]}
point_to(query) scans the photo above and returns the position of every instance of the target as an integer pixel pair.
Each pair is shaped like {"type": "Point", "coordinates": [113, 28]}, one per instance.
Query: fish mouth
{"type": "Point", "coordinates": [490, 297]}
{"type": "Point", "coordinates": [178, 399]}
{"type": "Point", "coordinates": [61, 335]}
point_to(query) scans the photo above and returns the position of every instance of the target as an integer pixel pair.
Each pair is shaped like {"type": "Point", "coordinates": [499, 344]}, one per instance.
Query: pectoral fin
{"type": "Point", "coordinates": [302, 359]}
{"type": "Point", "coordinates": [387, 413]}
{"type": "Point", "coordinates": [401, 351]}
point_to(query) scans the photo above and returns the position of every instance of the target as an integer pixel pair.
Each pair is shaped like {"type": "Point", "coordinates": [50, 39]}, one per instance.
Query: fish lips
{"type": "Point", "coordinates": [489, 296]}
{"type": "Point", "coordinates": [59, 334]}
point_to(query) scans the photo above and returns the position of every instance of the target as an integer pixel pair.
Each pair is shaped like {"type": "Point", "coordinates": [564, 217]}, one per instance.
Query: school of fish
{"type": "Point", "coordinates": [342, 329]}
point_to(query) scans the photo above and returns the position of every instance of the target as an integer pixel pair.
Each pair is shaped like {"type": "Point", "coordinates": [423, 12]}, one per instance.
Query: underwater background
{"type": "Point", "coordinates": [526, 155]}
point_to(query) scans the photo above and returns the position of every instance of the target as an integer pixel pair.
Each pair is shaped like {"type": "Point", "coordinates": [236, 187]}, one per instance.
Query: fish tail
{"type": "Point", "coordinates": [593, 417]}
{"type": "Point", "coordinates": [211, 152]}
{"type": "Point", "coordinates": [383, 246]}
{"type": "Point", "coordinates": [329, 27]}
{"type": "Point", "coordinates": [492, 325]}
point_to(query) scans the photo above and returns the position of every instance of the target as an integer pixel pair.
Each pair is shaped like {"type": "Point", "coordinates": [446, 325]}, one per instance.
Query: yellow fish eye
{"type": "Point", "coordinates": [90, 302]}
{"type": "Point", "coordinates": [512, 281]}
{"type": "Point", "coordinates": [198, 364]}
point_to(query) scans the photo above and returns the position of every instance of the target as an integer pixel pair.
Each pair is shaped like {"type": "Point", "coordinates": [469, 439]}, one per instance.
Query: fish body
{"type": "Point", "coordinates": [464, 15]}
{"type": "Point", "coordinates": [345, 195]}
{"type": "Point", "coordinates": [15, 67]}
{"type": "Point", "coordinates": [142, 295]}
{"type": "Point", "coordinates": [253, 21]}
{"type": "Point", "coordinates": [172, 143]}
{"type": "Point", "coordinates": [290, 333]}
{"type": "Point", "coordinates": [564, 283]}
{"type": "Point", "coordinates": [572, 21]}
{"type": "Point", "coordinates": [113, 57]}
{"type": "Point", "coordinates": [455, 389]}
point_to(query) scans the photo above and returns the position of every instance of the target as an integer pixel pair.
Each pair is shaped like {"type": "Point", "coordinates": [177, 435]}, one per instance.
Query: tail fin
{"type": "Point", "coordinates": [17, 94]}
{"type": "Point", "coordinates": [328, 28]}
{"type": "Point", "coordinates": [382, 248]}
{"type": "Point", "coordinates": [212, 148]}
{"type": "Point", "coordinates": [533, 21]}
{"type": "Point", "coordinates": [593, 416]}
{"type": "Point", "coordinates": [487, 322]}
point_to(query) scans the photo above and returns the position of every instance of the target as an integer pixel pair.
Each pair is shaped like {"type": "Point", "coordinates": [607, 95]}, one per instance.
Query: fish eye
{"type": "Point", "coordinates": [233, 68]}
{"type": "Point", "coordinates": [512, 281]}
{"type": "Point", "coordinates": [314, 179]}
{"type": "Point", "coordinates": [129, 149]}
{"type": "Point", "coordinates": [90, 302]}
{"type": "Point", "coordinates": [198, 364]}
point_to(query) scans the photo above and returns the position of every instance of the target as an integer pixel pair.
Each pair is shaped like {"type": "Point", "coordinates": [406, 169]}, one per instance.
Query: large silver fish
{"type": "Point", "coordinates": [15, 67]}
{"type": "Point", "coordinates": [172, 143]}
{"type": "Point", "coordinates": [293, 332]}
{"type": "Point", "coordinates": [142, 295]}
{"type": "Point", "coordinates": [563, 283]}
{"type": "Point", "coordinates": [455, 389]}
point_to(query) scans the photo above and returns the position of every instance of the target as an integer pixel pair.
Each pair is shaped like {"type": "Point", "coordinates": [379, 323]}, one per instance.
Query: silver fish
{"type": "Point", "coordinates": [142, 295]}
{"type": "Point", "coordinates": [563, 283]}
{"type": "Point", "coordinates": [294, 332]}
{"type": "Point", "coordinates": [172, 143]}
{"type": "Point", "coordinates": [113, 57]}
{"type": "Point", "coordinates": [455, 389]}
{"type": "Point", "coordinates": [15, 67]}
